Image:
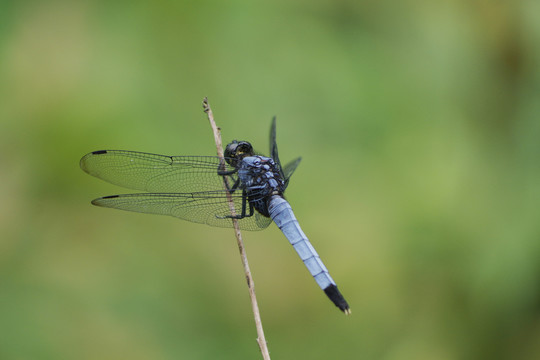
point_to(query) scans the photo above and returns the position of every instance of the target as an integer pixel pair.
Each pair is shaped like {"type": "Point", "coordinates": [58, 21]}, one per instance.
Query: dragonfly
{"type": "Point", "coordinates": [199, 189]}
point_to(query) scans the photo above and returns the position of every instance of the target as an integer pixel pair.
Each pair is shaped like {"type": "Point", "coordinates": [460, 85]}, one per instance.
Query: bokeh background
{"type": "Point", "coordinates": [419, 127]}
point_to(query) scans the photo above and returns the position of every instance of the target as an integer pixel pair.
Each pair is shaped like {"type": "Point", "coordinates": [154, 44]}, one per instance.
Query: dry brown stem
{"type": "Point", "coordinates": [251, 284]}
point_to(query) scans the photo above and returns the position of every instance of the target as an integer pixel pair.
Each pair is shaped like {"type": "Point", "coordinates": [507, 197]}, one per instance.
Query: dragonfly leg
{"type": "Point", "coordinates": [243, 212]}
{"type": "Point", "coordinates": [229, 173]}
{"type": "Point", "coordinates": [234, 187]}
{"type": "Point", "coordinates": [226, 172]}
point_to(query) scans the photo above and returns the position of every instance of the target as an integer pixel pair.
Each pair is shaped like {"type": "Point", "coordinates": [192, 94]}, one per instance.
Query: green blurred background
{"type": "Point", "coordinates": [419, 127]}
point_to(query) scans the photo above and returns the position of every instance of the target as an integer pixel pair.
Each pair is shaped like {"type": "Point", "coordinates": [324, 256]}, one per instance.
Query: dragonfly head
{"type": "Point", "coordinates": [236, 151]}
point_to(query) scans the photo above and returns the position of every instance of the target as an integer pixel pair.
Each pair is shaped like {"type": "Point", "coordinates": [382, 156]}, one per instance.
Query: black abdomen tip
{"type": "Point", "coordinates": [333, 294]}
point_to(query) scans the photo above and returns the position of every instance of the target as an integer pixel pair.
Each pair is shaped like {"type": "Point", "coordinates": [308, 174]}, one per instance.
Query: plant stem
{"type": "Point", "coordinates": [251, 284]}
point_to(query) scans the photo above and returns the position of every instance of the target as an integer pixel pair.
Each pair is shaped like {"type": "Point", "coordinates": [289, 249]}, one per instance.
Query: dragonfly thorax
{"type": "Point", "coordinates": [260, 177]}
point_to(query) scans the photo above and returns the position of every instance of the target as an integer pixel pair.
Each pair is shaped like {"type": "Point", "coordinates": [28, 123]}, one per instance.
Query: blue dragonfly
{"type": "Point", "coordinates": [197, 189]}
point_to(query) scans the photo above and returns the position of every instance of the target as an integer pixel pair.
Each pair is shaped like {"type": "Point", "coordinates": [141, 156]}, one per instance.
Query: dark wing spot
{"type": "Point", "coordinates": [97, 201]}
{"type": "Point", "coordinates": [110, 197]}
{"type": "Point", "coordinates": [99, 152]}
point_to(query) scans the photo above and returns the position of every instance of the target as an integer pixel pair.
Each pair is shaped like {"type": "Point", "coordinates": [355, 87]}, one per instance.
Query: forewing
{"type": "Point", "coordinates": [209, 208]}
{"type": "Point", "coordinates": [155, 173]}
{"type": "Point", "coordinates": [288, 170]}
{"type": "Point", "coordinates": [273, 145]}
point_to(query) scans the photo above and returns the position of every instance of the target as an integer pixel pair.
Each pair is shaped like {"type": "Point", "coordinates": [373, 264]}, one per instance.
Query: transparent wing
{"type": "Point", "coordinates": [156, 173]}
{"type": "Point", "coordinates": [203, 207]}
{"type": "Point", "coordinates": [273, 145]}
{"type": "Point", "coordinates": [289, 169]}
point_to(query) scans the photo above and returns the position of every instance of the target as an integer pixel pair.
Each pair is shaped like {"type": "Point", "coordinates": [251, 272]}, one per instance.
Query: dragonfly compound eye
{"type": "Point", "coordinates": [230, 150]}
